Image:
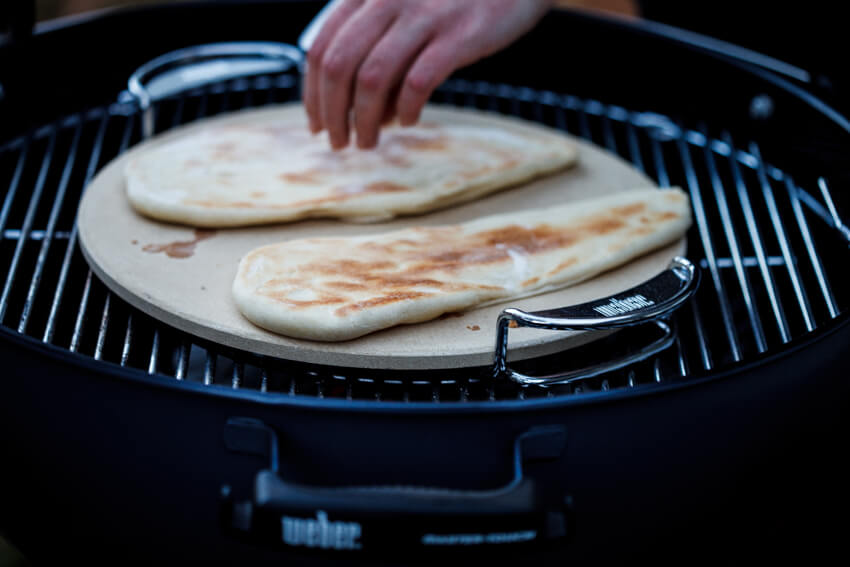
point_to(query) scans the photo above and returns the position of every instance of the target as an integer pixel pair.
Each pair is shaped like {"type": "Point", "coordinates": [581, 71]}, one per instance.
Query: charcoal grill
{"type": "Point", "coordinates": [123, 436]}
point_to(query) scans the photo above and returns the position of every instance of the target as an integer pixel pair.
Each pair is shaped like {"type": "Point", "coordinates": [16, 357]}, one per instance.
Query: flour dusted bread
{"type": "Point", "coordinates": [267, 167]}
{"type": "Point", "coordinates": [335, 289]}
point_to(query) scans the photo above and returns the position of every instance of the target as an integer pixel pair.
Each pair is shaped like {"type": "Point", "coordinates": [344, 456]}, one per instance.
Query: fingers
{"type": "Point", "coordinates": [340, 65]}
{"type": "Point", "coordinates": [311, 94]}
{"type": "Point", "coordinates": [391, 105]}
{"type": "Point", "coordinates": [384, 58]}
{"type": "Point", "coordinates": [379, 78]}
{"type": "Point", "coordinates": [433, 66]}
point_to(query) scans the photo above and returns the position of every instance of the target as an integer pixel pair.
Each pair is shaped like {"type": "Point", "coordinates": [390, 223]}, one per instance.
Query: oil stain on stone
{"type": "Point", "coordinates": [180, 248]}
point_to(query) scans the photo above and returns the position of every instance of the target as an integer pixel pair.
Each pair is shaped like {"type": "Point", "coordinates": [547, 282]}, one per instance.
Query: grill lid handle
{"type": "Point", "coordinates": [649, 302]}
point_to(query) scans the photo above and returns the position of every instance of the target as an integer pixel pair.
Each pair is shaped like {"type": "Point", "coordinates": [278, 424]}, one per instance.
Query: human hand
{"type": "Point", "coordinates": [375, 60]}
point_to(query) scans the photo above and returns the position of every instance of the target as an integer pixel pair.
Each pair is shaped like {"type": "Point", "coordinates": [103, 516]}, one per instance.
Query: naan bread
{"type": "Point", "coordinates": [272, 169]}
{"type": "Point", "coordinates": [333, 289]}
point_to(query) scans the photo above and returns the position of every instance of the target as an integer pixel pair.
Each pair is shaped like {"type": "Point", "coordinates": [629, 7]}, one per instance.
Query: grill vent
{"type": "Point", "coordinates": [760, 238]}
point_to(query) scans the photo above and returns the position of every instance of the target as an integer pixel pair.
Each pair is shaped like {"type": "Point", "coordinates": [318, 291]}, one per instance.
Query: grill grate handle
{"type": "Point", "coordinates": [649, 302]}
{"type": "Point", "coordinates": [184, 69]}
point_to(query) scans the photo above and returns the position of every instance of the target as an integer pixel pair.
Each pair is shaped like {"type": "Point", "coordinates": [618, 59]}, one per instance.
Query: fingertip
{"type": "Point", "coordinates": [313, 124]}
{"type": "Point", "coordinates": [364, 136]}
{"type": "Point", "coordinates": [407, 121]}
{"type": "Point", "coordinates": [367, 143]}
{"type": "Point", "coordinates": [409, 116]}
{"type": "Point", "coordinates": [339, 142]}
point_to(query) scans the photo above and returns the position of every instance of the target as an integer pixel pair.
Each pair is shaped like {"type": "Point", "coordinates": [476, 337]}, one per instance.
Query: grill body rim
{"type": "Point", "coordinates": [795, 350]}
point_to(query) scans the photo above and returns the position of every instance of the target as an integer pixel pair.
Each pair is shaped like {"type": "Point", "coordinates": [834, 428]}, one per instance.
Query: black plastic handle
{"type": "Point", "coordinates": [382, 518]}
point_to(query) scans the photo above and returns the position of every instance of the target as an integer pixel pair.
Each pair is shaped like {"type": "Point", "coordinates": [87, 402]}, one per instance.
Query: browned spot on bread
{"type": "Point", "coordinates": [473, 327]}
{"type": "Point", "coordinates": [666, 216]}
{"type": "Point", "coordinates": [530, 281]}
{"type": "Point", "coordinates": [221, 205]}
{"type": "Point", "coordinates": [491, 246]}
{"type": "Point", "coordinates": [386, 187]}
{"type": "Point", "coordinates": [346, 285]}
{"type": "Point", "coordinates": [418, 143]}
{"type": "Point", "coordinates": [475, 173]}
{"type": "Point", "coordinates": [673, 196]}
{"type": "Point", "coordinates": [602, 226]}
{"type": "Point", "coordinates": [224, 151]}
{"type": "Point", "coordinates": [308, 177]}
{"type": "Point", "coordinates": [629, 210]}
{"type": "Point", "coordinates": [530, 240]}
{"type": "Point", "coordinates": [339, 194]}
{"type": "Point", "coordinates": [401, 281]}
{"type": "Point", "coordinates": [347, 268]}
{"type": "Point", "coordinates": [563, 266]}
{"type": "Point", "coordinates": [180, 248]}
{"type": "Point", "coordinates": [398, 161]}
{"type": "Point", "coordinates": [641, 231]}
{"type": "Point", "coordinates": [282, 297]}
{"type": "Point", "coordinates": [258, 194]}
{"type": "Point", "coordinates": [508, 164]}
{"type": "Point", "coordinates": [355, 190]}
{"type": "Point", "coordinates": [385, 299]}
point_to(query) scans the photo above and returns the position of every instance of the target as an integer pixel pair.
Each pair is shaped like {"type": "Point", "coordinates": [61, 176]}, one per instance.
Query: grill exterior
{"type": "Point", "coordinates": [698, 443]}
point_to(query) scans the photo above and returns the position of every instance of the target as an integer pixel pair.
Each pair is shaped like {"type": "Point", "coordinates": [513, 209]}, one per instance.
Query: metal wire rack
{"type": "Point", "coordinates": [758, 236]}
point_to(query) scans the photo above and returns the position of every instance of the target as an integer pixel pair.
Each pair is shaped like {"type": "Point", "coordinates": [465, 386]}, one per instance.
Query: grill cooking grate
{"type": "Point", "coordinates": [758, 236]}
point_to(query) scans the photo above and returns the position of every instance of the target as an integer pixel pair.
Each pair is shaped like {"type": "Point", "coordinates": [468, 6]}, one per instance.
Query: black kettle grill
{"type": "Point", "coordinates": [124, 440]}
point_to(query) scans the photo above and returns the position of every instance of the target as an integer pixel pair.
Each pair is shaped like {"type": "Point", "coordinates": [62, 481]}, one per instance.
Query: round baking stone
{"type": "Point", "coordinates": [183, 277]}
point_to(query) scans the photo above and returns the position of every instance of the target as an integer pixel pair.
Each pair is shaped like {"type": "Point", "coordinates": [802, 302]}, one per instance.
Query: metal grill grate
{"type": "Point", "coordinates": [758, 235]}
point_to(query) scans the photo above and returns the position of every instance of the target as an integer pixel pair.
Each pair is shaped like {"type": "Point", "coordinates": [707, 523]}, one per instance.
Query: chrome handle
{"type": "Point", "coordinates": [648, 302]}
{"type": "Point", "coordinates": [308, 36]}
{"type": "Point", "coordinates": [184, 69]}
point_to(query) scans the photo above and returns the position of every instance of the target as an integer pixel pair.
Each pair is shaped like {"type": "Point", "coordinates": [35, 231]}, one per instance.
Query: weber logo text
{"type": "Point", "coordinates": [620, 306]}
{"type": "Point", "coordinates": [320, 532]}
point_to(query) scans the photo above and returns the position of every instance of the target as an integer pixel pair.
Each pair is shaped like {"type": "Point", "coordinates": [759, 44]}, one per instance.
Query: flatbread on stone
{"type": "Point", "coordinates": [339, 288]}
{"type": "Point", "coordinates": [270, 168]}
